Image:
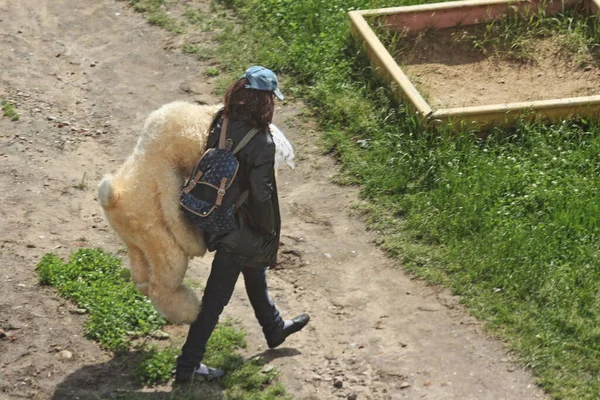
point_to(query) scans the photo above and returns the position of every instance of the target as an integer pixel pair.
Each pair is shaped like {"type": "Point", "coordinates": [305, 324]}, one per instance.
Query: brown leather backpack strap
{"type": "Point", "coordinates": [221, 192]}
{"type": "Point", "coordinates": [193, 182]}
{"type": "Point", "coordinates": [245, 140]}
{"type": "Point", "coordinates": [223, 137]}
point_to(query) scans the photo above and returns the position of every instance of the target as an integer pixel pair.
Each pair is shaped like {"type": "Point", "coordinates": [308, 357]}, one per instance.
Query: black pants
{"type": "Point", "coordinates": [219, 288]}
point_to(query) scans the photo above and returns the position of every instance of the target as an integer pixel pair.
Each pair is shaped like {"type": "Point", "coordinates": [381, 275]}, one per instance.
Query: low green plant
{"type": "Point", "coordinates": [203, 21]}
{"type": "Point", "coordinates": [94, 280]}
{"type": "Point", "coordinates": [201, 53]}
{"type": "Point", "coordinates": [253, 381]}
{"type": "Point", "coordinates": [160, 18]}
{"type": "Point", "coordinates": [211, 72]}
{"type": "Point", "coordinates": [156, 364]}
{"type": "Point", "coordinates": [147, 5]}
{"type": "Point", "coordinates": [8, 110]}
{"type": "Point", "coordinates": [156, 15]}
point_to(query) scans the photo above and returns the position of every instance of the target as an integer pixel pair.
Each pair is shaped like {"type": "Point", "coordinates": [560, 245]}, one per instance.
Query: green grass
{"type": "Point", "coordinates": [211, 72]}
{"type": "Point", "coordinates": [118, 314]}
{"type": "Point", "coordinates": [201, 53]}
{"type": "Point", "coordinates": [202, 21]}
{"type": "Point", "coordinates": [161, 19]}
{"type": "Point", "coordinates": [156, 15]}
{"type": "Point", "coordinates": [156, 364]}
{"type": "Point", "coordinates": [146, 5]}
{"type": "Point", "coordinates": [8, 110]}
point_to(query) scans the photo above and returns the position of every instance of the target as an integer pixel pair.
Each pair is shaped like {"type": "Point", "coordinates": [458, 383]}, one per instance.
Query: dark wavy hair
{"type": "Point", "coordinates": [256, 107]}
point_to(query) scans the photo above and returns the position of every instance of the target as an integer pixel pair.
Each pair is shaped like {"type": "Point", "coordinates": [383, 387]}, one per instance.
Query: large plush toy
{"type": "Point", "coordinates": [141, 203]}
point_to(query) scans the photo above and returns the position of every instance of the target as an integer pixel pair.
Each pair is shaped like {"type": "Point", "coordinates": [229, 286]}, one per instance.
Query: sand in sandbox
{"type": "Point", "coordinates": [453, 74]}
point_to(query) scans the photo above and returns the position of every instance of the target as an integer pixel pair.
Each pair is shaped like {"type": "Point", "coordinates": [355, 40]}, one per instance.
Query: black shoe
{"type": "Point", "coordinates": [183, 375]}
{"type": "Point", "coordinates": [297, 323]}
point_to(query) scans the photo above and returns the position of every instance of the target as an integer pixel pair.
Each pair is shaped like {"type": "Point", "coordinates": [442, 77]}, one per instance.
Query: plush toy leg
{"type": "Point", "coordinates": [168, 264]}
{"type": "Point", "coordinates": [176, 302]}
{"type": "Point", "coordinates": [140, 270]}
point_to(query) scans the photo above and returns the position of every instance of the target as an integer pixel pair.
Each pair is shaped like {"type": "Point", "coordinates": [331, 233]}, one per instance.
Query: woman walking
{"type": "Point", "coordinates": [252, 246]}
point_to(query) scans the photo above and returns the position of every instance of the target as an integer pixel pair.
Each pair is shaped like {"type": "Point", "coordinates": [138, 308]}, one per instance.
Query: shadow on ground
{"type": "Point", "coordinates": [116, 379]}
{"type": "Point", "coordinates": [270, 355]}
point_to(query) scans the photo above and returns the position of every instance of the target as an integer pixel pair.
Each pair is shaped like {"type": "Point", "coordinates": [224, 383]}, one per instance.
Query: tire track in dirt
{"type": "Point", "coordinates": [84, 75]}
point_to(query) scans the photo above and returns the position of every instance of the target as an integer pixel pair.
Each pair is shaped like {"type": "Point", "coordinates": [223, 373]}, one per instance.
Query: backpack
{"type": "Point", "coordinates": [210, 196]}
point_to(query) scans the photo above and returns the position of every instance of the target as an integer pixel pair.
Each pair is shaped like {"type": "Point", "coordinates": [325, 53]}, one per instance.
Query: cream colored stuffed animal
{"type": "Point", "coordinates": [141, 203]}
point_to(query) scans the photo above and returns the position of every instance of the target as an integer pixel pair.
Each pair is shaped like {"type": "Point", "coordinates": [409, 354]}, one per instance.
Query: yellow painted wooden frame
{"type": "Point", "coordinates": [462, 13]}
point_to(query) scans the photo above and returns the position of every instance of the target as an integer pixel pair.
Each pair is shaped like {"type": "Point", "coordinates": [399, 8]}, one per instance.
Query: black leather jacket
{"type": "Point", "coordinates": [255, 240]}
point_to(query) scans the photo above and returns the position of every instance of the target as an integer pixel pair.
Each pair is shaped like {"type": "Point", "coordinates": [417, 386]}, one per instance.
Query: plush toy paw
{"type": "Point", "coordinates": [180, 306]}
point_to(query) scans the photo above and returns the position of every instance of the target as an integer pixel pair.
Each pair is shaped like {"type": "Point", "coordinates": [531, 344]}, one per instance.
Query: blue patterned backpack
{"type": "Point", "coordinates": [210, 196]}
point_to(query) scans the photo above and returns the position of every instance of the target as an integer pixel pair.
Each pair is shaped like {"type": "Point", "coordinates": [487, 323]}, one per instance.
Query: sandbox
{"type": "Point", "coordinates": [445, 82]}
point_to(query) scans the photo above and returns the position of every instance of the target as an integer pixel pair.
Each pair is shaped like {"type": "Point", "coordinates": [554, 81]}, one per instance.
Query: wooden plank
{"type": "Point", "coordinates": [468, 14]}
{"type": "Point", "coordinates": [450, 5]}
{"type": "Point", "coordinates": [501, 114]}
{"type": "Point", "coordinates": [385, 64]}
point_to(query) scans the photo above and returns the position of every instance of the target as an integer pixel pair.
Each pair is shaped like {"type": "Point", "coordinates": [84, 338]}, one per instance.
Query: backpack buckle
{"type": "Point", "coordinates": [221, 192]}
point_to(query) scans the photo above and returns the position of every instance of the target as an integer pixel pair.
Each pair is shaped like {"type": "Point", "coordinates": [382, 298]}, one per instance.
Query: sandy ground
{"type": "Point", "coordinates": [451, 73]}
{"type": "Point", "coordinates": [84, 75]}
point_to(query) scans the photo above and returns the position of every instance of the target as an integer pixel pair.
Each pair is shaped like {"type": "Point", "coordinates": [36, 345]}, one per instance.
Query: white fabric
{"type": "Point", "coordinates": [287, 323]}
{"type": "Point", "coordinates": [284, 152]}
{"type": "Point", "coordinates": [203, 370]}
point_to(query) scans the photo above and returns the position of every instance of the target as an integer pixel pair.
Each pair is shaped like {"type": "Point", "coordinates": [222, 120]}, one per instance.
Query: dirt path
{"type": "Point", "coordinates": [84, 75]}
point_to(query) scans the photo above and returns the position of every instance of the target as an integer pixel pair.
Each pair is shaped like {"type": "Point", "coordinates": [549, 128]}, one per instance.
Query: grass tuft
{"type": "Point", "coordinates": [211, 72]}
{"type": "Point", "coordinates": [202, 21]}
{"type": "Point", "coordinates": [156, 365]}
{"type": "Point", "coordinates": [201, 53]}
{"type": "Point", "coordinates": [161, 19]}
{"type": "Point", "coordinates": [8, 110]}
{"type": "Point", "coordinates": [146, 5]}
{"type": "Point", "coordinates": [156, 15]}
